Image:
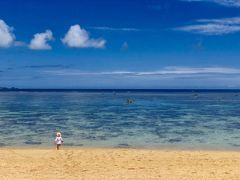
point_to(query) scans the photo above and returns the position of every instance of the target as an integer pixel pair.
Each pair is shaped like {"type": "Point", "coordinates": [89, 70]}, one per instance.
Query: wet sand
{"type": "Point", "coordinates": [118, 164]}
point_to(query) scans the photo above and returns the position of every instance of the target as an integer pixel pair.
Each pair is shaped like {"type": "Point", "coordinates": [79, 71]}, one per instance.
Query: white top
{"type": "Point", "coordinates": [58, 140]}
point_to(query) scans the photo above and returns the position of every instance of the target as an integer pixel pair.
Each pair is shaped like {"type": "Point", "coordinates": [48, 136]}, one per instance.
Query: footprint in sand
{"type": "Point", "coordinates": [131, 168]}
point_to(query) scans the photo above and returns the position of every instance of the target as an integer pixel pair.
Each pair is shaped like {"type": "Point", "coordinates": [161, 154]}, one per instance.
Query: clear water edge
{"type": "Point", "coordinates": [173, 120]}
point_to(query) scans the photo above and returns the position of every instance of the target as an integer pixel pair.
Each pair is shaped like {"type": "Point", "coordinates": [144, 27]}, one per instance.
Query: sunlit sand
{"type": "Point", "coordinates": [118, 164]}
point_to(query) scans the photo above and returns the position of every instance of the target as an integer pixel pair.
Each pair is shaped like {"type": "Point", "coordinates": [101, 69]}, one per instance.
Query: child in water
{"type": "Point", "coordinates": [58, 140]}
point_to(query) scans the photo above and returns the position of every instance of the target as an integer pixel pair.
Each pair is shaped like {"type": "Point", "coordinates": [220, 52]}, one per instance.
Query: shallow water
{"type": "Point", "coordinates": [202, 120]}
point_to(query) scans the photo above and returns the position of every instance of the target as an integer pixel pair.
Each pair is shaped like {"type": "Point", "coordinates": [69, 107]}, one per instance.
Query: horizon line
{"type": "Point", "coordinates": [118, 89]}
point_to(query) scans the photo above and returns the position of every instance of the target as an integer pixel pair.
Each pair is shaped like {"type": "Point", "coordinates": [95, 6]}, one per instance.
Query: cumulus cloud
{"type": "Point", "coordinates": [229, 3]}
{"type": "Point", "coordinates": [6, 35]}
{"type": "Point", "coordinates": [77, 37]}
{"type": "Point", "coordinates": [213, 26]}
{"type": "Point", "coordinates": [40, 41]}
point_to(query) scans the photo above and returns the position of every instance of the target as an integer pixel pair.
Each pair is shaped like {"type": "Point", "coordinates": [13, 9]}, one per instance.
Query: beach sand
{"type": "Point", "coordinates": [118, 164]}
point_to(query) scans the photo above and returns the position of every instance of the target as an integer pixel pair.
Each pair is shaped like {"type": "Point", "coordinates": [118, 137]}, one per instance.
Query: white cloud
{"type": "Point", "coordinates": [78, 37]}
{"type": "Point", "coordinates": [229, 3]}
{"type": "Point", "coordinates": [20, 44]}
{"type": "Point", "coordinates": [169, 71]}
{"type": "Point", "coordinates": [192, 70]}
{"type": "Point", "coordinates": [40, 41]}
{"type": "Point", "coordinates": [210, 29]}
{"type": "Point", "coordinates": [213, 26]}
{"type": "Point", "coordinates": [226, 21]}
{"type": "Point", "coordinates": [105, 28]}
{"type": "Point", "coordinates": [6, 36]}
{"type": "Point", "coordinates": [125, 45]}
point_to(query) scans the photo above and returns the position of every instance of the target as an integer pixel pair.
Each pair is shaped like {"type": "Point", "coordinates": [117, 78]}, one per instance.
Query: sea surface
{"type": "Point", "coordinates": [129, 119]}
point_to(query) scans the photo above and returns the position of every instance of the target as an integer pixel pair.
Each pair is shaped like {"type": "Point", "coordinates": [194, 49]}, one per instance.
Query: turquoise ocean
{"type": "Point", "coordinates": [182, 119]}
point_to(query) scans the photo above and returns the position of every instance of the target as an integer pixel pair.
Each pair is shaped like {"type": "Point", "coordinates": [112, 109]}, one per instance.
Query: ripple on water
{"type": "Point", "coordinates": [154, 119]}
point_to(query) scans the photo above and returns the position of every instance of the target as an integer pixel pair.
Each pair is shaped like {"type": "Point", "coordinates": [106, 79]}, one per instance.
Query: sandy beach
{"type": "Point", "coordinates": [118, 164]}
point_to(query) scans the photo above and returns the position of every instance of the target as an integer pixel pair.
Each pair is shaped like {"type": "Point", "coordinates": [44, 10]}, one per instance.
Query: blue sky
{"type": "Point", "coordinates": [124, 44]}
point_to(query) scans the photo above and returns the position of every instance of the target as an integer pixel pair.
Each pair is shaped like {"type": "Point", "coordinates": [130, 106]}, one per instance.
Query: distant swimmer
{"type": "Point", "coordinates": [130, 101]}
{"type": "Point", "coordinates": [195, 95]}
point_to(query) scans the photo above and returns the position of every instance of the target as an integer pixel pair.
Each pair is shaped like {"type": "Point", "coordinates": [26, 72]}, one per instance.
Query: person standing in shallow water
{"type": "Point", "coordinates": [58, 140]}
